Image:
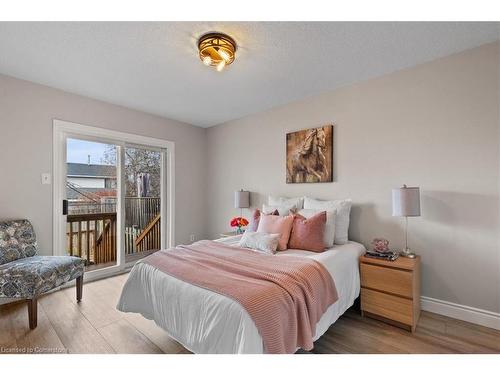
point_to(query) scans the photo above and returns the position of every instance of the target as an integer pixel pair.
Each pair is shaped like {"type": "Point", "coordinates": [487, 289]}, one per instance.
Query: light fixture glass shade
{"type": "Point", "coordinates": [406, 201]}
{"type": "Point", "coordinates": [221, 65]}
{"type": "Point", "coordinates": [224, 55]}
{"type": "Point", "coordinates": [241, 199]}
{"type": "Point", "coordinates": [207, 60]}
{"type": "Point", "coordinates": [217, 50]}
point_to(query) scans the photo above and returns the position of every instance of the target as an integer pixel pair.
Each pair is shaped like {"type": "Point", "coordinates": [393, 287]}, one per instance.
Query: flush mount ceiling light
{"type": "Point", "coordinates": [217, 50]}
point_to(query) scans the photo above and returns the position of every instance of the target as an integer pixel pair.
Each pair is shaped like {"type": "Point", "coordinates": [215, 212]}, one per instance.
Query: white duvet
{"type": "Point", "coordinates": [206, 322]}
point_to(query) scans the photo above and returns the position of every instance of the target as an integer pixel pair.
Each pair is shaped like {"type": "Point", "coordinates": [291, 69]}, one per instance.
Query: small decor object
{"type": "Point", "coordinates": [239, 222]}
{"type": "Point", "coordinates": [388, 255]}
{"type": "Point", "coordinates": [309, 155]}
{"type": "Point", "coordinates": [405, 203]}
{"type": "Point", "coordinates": [216, 50]}
{"type": "Point", "coordinates": [380, 245]}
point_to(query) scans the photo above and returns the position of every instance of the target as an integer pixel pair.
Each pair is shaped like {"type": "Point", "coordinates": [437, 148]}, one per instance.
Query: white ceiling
{"type": "Point", "coordinates": [154, 67]}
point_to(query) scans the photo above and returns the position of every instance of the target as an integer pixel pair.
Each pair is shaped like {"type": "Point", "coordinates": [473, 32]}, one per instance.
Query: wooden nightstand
{"type": "Point", "coordinates": [390, 291]}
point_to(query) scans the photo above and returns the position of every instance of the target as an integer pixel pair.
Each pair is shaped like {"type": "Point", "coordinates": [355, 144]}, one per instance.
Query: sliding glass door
{"type": "Point", "coordinates": [114, 198]}
{"type": "Point", "coordinates": [91, 204]}
{"type": "Point", "coordinates": [143, 183]}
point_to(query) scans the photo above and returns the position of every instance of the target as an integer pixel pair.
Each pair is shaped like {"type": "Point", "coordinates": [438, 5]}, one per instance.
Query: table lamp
{"type": "Point", "coordinates": [241, 200]}
{"type": "Point", "coordinates": [406, 203]}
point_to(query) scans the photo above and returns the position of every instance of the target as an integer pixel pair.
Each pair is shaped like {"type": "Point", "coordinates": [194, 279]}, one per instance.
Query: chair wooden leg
{"type": "Point", "coordinates": [79, 288]}
{"type": "Point", "coordinates": [33, 312]}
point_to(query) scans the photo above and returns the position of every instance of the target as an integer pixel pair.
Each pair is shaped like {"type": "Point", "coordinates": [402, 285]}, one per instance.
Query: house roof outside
{"type": "Point", "coordinates": [91, 170]}
{"type": "Point", "coordinates": [72, 194]}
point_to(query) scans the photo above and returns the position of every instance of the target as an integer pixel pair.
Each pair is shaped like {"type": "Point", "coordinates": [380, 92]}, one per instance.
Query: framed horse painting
{"type": "Point", "coordinates": [309, 155]}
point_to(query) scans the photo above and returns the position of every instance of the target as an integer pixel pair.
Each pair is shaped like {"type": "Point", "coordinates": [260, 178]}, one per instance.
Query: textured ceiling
{"type": "Point", "coordinates": [154, 66]}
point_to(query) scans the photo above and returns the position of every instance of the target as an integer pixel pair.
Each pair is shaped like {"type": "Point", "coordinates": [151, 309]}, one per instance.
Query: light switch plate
{"type": "Point", "coordinates": [46, 179]}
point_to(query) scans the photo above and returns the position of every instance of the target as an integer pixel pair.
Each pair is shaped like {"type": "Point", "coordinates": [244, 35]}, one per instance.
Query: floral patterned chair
{"type": "Point", "coordinates": [23, 274]}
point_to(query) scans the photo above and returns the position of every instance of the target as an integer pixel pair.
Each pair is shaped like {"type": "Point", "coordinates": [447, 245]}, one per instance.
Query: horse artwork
{"type": "Point", "coordinates": [309, 155]}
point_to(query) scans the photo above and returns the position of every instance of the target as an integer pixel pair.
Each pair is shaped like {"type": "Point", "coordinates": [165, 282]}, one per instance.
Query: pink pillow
{"type": "Point", "coordinates": [281, 225]}
{"type": "Point", "coordinates": [254, 224]}
{"type": "Point", "coordinates": [308, 234]}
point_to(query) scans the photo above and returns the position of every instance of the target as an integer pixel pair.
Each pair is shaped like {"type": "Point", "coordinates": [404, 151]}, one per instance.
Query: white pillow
{"type": "Point", "coordinates": [283, 209]}
{"type": "Point", "coordinates": [343, 208]}
{"type": "Point", "coordinates": [329, 236]}
{"type": "Point", "coordinates": [280, 201]}
{"type": "Point", "coordinates": [265, 242]}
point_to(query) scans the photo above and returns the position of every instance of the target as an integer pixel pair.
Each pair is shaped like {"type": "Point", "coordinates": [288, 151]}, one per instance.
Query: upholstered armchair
{"type": "Point", "coordinates": [23, 274]}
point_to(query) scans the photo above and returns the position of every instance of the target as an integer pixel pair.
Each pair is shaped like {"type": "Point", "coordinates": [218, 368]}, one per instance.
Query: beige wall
{"type": "Point", "coordinates": [26, 114]}
{"type": "Point", "coordinates": [435, 126]}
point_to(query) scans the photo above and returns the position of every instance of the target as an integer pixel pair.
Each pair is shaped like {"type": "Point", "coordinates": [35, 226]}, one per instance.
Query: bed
{"type": "Point", "coordinates": [207, 322]}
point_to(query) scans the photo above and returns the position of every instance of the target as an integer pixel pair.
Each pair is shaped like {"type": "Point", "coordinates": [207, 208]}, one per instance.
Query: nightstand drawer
{"type": "Point", "coordinates": [386, 305]}
{"type": "Point", "coordinates": [387, 279]}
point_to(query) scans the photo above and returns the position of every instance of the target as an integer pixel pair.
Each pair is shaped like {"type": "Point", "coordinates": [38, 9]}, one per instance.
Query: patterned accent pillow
{"type": "Point", "coordinates": [308, 234]}
{"type": "Point", "coordinates": [267, 243]}
{"type": "Point", "coordinates": [17, 240]}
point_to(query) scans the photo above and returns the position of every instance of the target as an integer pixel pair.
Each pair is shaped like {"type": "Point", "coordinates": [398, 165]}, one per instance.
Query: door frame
{"type": "Point", "coordinates": [64, 129]}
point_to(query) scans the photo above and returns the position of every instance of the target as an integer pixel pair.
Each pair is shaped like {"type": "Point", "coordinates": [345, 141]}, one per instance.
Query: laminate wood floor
{"type": "Point", "coordinates": [95, 326]}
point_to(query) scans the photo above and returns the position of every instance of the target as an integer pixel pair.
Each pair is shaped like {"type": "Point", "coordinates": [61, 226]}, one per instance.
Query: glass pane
{"type": "Point", "coordinates": [91, 191]}
{"type": "Point", "coordinates": [142, 202]}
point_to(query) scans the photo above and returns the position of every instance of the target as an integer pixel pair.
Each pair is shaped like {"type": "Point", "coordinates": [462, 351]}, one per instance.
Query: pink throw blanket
{"type": "Point", "coordinates": [284, 295]}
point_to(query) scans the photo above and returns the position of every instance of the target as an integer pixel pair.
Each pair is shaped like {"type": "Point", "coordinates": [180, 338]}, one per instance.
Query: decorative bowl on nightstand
{"type": "Point", "coordinates": [380, 245]}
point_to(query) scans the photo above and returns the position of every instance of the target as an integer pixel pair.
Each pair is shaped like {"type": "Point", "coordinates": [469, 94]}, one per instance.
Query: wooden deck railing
{"type": "Point", "coordinates": [92, 237]}
{"type": "Point", "coordinates": [150, 237]}
{"type": "Point", "coordinates": [140, 211]}
{"type": "Point", "coordinates": [106, 244]}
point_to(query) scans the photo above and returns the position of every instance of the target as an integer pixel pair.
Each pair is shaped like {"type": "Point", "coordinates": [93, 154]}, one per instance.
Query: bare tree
{"type": "Point", "coordinates": [137, 160]}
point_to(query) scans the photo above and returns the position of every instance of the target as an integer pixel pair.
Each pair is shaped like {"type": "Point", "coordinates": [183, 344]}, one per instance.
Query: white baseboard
{"type": "Point", "coordinates": [454, 310]}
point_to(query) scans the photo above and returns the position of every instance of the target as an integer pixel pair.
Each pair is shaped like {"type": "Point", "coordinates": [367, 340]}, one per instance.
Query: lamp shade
{"type": "Point", "coordinates": [241, 199]}
{"type": "Point", "coordinates": [406, 201]}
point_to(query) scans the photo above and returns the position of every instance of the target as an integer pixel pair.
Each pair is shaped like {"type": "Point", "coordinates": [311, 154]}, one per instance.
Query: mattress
{"type": "Point", "coordinates": [207, 322]}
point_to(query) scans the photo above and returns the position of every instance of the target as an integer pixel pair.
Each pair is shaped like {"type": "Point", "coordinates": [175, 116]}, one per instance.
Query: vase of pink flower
{"type": "Point", "coordinates": [238, 222]}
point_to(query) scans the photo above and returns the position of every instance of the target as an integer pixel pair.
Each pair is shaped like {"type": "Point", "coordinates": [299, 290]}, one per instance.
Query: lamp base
{"type": "Point", "coordinates": [407, 253]}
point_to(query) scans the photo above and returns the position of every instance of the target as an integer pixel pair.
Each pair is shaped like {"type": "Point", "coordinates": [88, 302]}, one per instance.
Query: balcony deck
{"type": "Point", "coordinates": [92, 231]}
